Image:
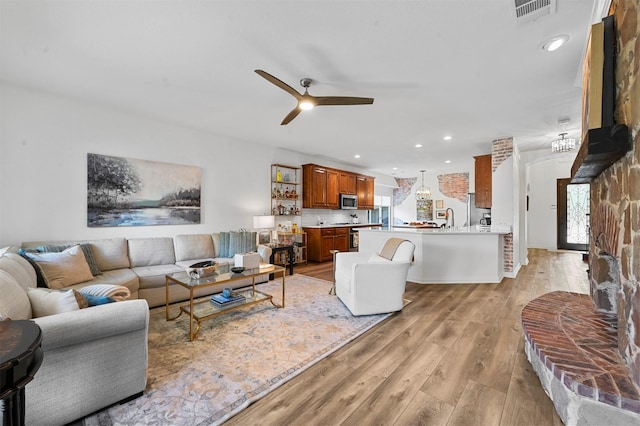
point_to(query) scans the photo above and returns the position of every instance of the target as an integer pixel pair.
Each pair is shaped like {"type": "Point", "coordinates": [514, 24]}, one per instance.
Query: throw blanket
{"type": "Point", "coordinates": [390, 247]}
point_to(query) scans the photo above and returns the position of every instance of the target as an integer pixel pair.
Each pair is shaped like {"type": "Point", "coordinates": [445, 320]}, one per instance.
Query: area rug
{"type": "Point", "coordinates": [238, 357]}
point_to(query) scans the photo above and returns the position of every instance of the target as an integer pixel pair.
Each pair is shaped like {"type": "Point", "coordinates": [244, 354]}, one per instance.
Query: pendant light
{"type": "Point", "coordinates": [423, 193]}
{"type": "Point", "coordinates": [563, 144]}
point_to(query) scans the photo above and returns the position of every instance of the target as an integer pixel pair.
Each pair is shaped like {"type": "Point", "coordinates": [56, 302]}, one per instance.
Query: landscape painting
{"type": "Point", "coordinates": [130, 192]}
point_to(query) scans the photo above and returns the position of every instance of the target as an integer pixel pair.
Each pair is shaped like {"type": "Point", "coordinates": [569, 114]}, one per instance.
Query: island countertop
{"type": "Point", "coordinates": [447, 256]}
{"type": "Point", "coordinates": [466, 230]}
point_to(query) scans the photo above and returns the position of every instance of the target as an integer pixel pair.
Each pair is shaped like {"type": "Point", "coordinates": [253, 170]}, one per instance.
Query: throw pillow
{"type": "Point", "coordinates": [86, 250]}
{"type": "Point", "coordinates": [224, 244]}
{"type": "Point", "coordinates": [116, 292]}
{"type": "Point", "coordinates": [45, 302]}
{"type": "Point", "coordinates": [39, 276]}
{"type": "Point", "coordinates": [63, 269]}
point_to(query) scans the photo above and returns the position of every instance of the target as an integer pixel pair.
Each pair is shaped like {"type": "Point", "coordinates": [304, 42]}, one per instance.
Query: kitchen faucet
{"type": "Point", "coordinates": [447, 217]}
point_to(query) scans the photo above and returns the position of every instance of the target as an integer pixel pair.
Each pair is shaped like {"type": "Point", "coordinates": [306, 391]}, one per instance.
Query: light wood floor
{"type": "Point", "coordinates": [454, 356]}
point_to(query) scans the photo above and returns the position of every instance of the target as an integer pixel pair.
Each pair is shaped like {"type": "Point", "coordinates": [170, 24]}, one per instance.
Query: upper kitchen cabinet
{"type": "Point", "coordinates": [483, 181]}
{"type": "Point", "coordinates": [320, 187]}
{"type": "Point", "coordinates": [347, 183]}
{"type": "Point", "coordinates": [365, 189]}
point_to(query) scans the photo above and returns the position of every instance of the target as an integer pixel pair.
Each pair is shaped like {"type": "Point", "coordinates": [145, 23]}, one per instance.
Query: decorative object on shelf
{"type": "Point", "coordinates": [441, 214]}
{"type": "Point", "coordinates": [439, 204]}
{"type": "Point", "coordinates": [424, 192]}
{"type": "Point", "coordinates": [563, 144]}
{"type": "Point", "coordinates": [264, 224]}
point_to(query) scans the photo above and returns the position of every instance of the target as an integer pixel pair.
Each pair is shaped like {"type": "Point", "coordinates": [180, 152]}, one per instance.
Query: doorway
{"type": "Point", "coordinates": [572, 215]}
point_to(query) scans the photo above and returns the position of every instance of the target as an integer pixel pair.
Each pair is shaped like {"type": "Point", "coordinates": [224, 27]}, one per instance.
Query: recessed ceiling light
{"type": "Point", "coordinates": [447, 138]}
{"type": "Point", "coordinates": [418, 145]}
{"type": "Point", "coordinates": [356, 156]}
{"type": "Point", "coordinates": [395, 168]}
{"type": "Point", "coordinates": [447, 161]}
{"type": "Point", "coordinates": [554, 43]}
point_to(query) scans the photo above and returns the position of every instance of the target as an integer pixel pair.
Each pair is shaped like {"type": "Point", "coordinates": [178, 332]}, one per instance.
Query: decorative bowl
{"type": "Point", "coordinates": [202, 269]}
{"type": "Point", "coordinates": [237, 269]}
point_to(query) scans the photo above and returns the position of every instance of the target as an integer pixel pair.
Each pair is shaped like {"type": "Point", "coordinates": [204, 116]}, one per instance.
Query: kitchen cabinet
{"type": "Point", "coordinates": [347, 183]}
{"type": "Point", "coordinates": [322, 240]}
{"type": "Point", "coordinates": [483, 181]}
{"type": "Point", "coordinates": [320, 187]}
{"type": "Point", "coordinates": [365, 191]}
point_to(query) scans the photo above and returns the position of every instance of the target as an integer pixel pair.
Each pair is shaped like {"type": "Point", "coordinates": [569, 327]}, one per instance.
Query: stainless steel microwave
{"type": "Point", "coordinates": [348, 202]}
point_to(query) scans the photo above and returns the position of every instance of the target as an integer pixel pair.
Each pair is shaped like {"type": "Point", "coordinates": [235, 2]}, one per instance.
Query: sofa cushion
{"type": "Point", "coordinates": [46, 302]}
{"type": "Point", "coordinates": [19, 268]}
{"type": "Point", "coordinates": [193, 246]}
{"type": "Point", "coordinates": [154, 276]}
{"type": "Point", "coordinates": [109, 253]}
{"type": "Point", "coordinates": [86, 250]}
{"type": "Point", "coordinates": [116, 292]}
{"type": "Point", "coordinates": [151, 251]}
{"type": "Point", "coordinates": [14, 303]}
{"type": "Point", "coordinates": [63, 269]}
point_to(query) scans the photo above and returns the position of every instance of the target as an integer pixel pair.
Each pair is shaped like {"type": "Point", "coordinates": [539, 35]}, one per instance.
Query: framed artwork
{"type": "Point", "coordinates": [130, 192]}
{"type": "Point", "coordinates": [439, 204]}
{"type": "Point", "coordinates": [441, 214]}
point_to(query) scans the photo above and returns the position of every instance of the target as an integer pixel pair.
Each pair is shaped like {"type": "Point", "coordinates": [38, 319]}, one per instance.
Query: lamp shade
{"type": "Point", "coordinates": [264, 222]}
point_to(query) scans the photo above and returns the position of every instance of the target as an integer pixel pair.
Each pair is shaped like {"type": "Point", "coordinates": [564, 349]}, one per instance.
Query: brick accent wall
{"type": "Point", "coordinates": [454, 185]}
{"type": "Point", "coordinates": [508, 253]}
{"type": "Point", "coordinates": [614, 252]}
{"type": "Point", "coordinates": [500, 151]}
{"type": "Point", "coordinates": [404, 189]}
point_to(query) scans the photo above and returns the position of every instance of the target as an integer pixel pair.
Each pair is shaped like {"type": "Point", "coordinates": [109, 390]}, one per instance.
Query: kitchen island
{"type": "Point", "coordinates": [453, 256]}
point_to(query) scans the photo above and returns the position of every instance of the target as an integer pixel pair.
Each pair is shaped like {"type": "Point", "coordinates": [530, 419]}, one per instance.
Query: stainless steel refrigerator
{"type": "Point", "coordinates": [474, 214]}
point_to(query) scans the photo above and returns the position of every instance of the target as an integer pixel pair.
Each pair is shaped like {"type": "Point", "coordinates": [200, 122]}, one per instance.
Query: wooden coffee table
{"type": "Point", "coordinates": [205, 309]}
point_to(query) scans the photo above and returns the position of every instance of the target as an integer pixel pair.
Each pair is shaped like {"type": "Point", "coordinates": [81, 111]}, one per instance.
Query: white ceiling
{"type": "Point", "coordinates": [434, 67]}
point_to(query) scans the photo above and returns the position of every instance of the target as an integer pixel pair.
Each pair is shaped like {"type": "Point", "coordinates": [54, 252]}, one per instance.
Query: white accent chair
{"type": "Point", "coordinates": [370, 284]}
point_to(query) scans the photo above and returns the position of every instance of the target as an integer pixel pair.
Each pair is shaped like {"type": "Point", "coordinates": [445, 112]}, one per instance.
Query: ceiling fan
{"type": "Point", "coordinates": [307, 101]}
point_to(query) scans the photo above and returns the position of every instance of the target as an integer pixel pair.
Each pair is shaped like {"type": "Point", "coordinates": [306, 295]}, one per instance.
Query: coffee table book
{"type": "Point", "coordinates": [221, 300]}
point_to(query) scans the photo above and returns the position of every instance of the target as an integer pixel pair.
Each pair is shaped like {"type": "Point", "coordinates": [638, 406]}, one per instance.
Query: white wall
{"type": "Point", "coordinates": [542, 172]}
{"type": "Point", "coordinates": [44, 141]}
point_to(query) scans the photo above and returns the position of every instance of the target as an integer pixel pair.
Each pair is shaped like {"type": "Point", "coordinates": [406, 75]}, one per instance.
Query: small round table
{"type": "Point", "coordinates": [20, 358]}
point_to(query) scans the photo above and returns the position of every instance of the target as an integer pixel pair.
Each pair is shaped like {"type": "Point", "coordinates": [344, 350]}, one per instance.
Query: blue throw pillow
{"type": "Point", "coordinates": [97, 300]}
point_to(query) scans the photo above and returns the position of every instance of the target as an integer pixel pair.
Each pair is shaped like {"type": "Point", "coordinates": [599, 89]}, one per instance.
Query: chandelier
{"type": "Point", "coordinates": [563, 144]}
{"type": "Point", "coordinates": [423, 193]}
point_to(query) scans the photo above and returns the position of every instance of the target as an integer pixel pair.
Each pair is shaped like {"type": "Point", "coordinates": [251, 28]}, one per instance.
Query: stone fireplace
{"type": "Point", "coordinates": [614, 252]}
{"type": "Point", "coordinates": [586, 350]}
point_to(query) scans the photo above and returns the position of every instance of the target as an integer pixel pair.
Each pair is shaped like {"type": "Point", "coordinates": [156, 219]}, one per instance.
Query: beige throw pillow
{"type": "Point", "coordinates": [63, 269]}
{"type": "Point", "coordinates": [45, 302]}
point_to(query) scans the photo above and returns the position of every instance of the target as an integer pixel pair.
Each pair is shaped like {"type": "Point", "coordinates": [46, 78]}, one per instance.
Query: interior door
{"type": "Point", "coordinates": [573, 215]}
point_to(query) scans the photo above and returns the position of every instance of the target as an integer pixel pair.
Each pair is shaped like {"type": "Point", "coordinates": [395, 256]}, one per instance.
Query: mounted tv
{"type": "Point", "coordinates": [603, 141]}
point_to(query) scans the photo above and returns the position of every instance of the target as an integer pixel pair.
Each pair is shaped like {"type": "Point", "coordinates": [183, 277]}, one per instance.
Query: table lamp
{"type": "Point", "coordinates": [264, 224]}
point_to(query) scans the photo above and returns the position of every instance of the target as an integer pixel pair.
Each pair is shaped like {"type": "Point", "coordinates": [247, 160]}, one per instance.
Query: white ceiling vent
{"type": "Point", "coordinates": [530, 10]}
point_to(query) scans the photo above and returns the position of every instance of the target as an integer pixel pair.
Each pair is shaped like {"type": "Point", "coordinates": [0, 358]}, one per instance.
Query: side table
{"type": "Point", "coordinates": [20, 358]}
{"type": "Point", "coordinates": [291, 255]}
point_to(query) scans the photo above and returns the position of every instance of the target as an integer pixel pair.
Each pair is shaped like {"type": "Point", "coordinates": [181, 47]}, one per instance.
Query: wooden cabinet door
{"type": "Point", "coordinates": [332, 197]}
{"type": "Point", "coordinates": [364, 186]}
{"type": "Point", "coordinates": [369, 183]}
{"type": "Point", "coordinates": [341, 242]}
{"type": "Point", "coordinates": [347, 183]}
{"type": "Point", "coordinates": [483, 181]}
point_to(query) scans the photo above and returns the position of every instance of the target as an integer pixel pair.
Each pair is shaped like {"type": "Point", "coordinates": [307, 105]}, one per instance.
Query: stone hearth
{"type": "Point", "coordinates": [574, 350]}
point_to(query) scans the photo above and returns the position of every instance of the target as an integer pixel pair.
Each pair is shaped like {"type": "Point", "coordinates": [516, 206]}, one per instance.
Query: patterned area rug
{"type": "Point", "coordinates": [238, 357]}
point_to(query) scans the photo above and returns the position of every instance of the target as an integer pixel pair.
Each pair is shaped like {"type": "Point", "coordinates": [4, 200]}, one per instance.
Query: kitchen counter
{"type": "Point", "coordinates": [343, 225]}
{"type": "Point", "coordinates": [467, 255]}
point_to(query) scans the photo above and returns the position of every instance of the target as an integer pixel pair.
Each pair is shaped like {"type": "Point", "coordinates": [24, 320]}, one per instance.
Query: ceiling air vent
{"type": "Point", "coordinates": [530, 10]}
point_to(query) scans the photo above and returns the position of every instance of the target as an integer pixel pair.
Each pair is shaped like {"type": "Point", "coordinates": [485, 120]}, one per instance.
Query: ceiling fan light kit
{"type": "Point", "coordinates": [307, 101]}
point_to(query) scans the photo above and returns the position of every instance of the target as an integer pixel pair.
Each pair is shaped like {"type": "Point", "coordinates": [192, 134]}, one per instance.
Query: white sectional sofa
{"type": "Point", "coordinates": [140, 264]}
{"type": "Point", "coordinates": [97, 356]}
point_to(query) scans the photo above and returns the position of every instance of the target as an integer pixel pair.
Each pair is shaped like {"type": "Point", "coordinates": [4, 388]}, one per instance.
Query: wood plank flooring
{"type": "Point", "coordinates": [454, 356]}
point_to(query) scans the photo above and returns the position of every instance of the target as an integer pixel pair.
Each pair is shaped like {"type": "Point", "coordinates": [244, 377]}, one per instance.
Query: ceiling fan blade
{"type": "Point", "coordinates": [281, 84]}
{"type": "Point", "coordinates": [293, 114]}
{"type": "Point", "coordinates": [342, 100]}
